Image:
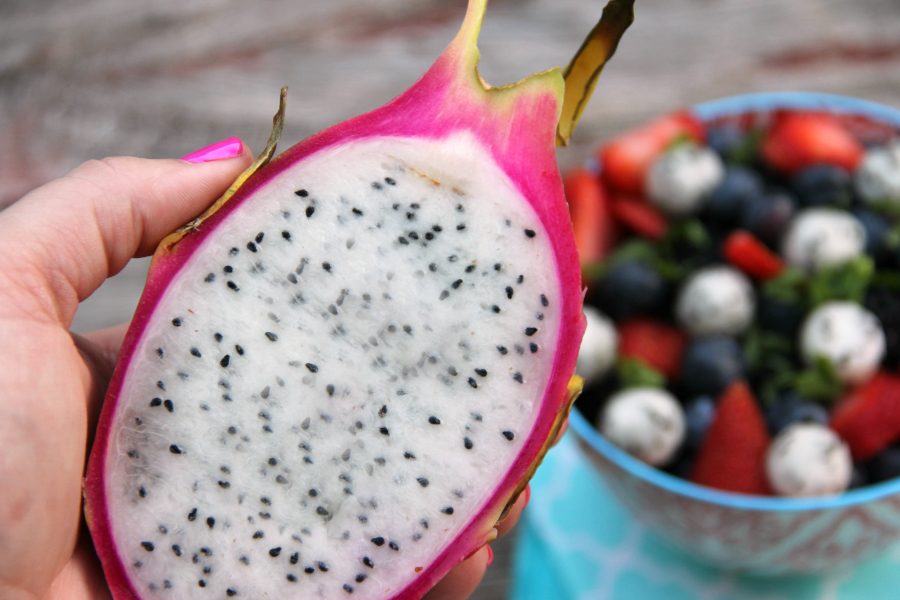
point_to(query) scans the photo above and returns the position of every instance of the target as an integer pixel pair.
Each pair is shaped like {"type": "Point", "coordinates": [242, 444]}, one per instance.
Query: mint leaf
{"type": "Point", "coordinates": [690, 231]}
{"type": "Point", "coordinates": [849, 281]}
{"type": "Point", "coordinates": [820, 381]}
{"type": "Point", "coordinates": [789, 287]}
{"type": "Point", "coordinates": [634, 373]}
{"type": "Point", "coordinates": [747, 151]}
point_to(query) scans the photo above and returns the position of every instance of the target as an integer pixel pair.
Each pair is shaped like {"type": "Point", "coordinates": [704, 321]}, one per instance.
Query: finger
{"type": "Point", "coordinates": [63, 239]}
{"type": "Point", "coordinates": [462, 579]}
{"type": "Point", "coordinates": [562, 432]}
{"type": "Point", "coordinates": [515, 512]}
{"type": "Point", "coordinates": [105, 344]}
{"type": "Point", "coordinates": [99, 350]}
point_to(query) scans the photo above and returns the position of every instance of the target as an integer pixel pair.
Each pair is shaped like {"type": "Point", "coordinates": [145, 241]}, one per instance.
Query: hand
{"type": "Point", "coordinates": [57, 245]}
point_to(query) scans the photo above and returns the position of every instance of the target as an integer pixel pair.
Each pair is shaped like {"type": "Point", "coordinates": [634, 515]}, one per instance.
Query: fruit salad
{"type": "Point", "coordinates": [743, 299]}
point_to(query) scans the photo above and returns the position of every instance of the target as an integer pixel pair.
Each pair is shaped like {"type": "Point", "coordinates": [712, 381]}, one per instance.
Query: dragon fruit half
{"type": "Point", "coordinates": [340, 376]}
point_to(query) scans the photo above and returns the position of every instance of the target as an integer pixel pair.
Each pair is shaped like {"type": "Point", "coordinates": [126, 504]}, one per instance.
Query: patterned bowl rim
{"type": "Point", "coordinates": [759, 102]}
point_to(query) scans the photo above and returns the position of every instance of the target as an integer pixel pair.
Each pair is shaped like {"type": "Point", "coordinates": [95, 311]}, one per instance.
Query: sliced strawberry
{"type": "Point", "coordinates": [656, 344]}
{"type": "Point", "coordinates": [627, 158]}
{"type": "Point", "coordinates": [733, 455]}
{"type": "Point", "coordinates": [868, 418]}
{"type": "Point", "coordinates": [800, 140]}
{"type": "Point", "coordinates": [591, 218]}
{"type": "Point", "coordinates": [751, 256]}
{"type": "Point", "coordinates": [639, 216]}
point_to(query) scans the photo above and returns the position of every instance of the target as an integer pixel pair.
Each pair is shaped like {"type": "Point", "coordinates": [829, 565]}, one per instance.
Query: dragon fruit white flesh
{"type": "Point", "coordinates": [338, 380]}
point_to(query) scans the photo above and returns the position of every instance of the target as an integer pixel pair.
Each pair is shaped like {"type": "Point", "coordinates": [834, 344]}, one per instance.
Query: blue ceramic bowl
{"type": "Point", "coordinates": [763, 535]}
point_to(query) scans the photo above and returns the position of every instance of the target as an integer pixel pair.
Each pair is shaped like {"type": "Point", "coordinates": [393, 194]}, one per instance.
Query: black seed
{"type": "Point", "coordinates": [309, 570]}
{"type": "Point", "coordinates": [156, 402]}
{"type": "Point", "coordinates": [390, 181]}
{"type": "Point", "coordinates": [233, 286]}
{"type": "Point", "coordinates": [206, 551]}
{"type": "Point", "coordinates": [461, 226]}
{"type": "Point", "coordinates": [224, 485]}
{"type": "Point", "coordinates": [455, 285]}
{"type": "Point", "coordinates": [518, 377]}
{"type": "Point", "coordinates": [232, 430]}
{"type": "Point", "coordinates": [382, 411]}
{"type": "Point", "coordinates": [472, 382]}
{"type": "Point", "coordinates": [403, 240]}
{"type": "Point", "coordinates": [322, 566]}
{"type": "Point", "coordinates": [230, 592]}
{"type": "Point", "coordinates": [294, 557]}
{"type": "Point", "coordinates": [292, 578]}
{"type": "Point", "coordinates": [447, 510]}
{"type": "Point", "coordinates": [360, 577]}
{"type": "Point", "coordinates": [192, 515]}
{"type": "Point", "coordinates": [225, 360]}
{"type": "Point", "coordinates": [376, 185]}
{"type": "Point", "coordinates": [310, 210]}
{"type": "Point", "coordinates": [245, 560]}
{"type": "Point", "coordinates": [228, 269]}
{"type": "Point", "coordinates": [520, 279]}
{"type": "Point", "coordinates": [160, 353]}
{"type": "Point", "coordinates": [432, 267]}
{"type": "Point", "coordinates": [272, 337]}
{"type": "Point", "coordinates": [409, 456]}
{"type": "Point", "coordinates": [210, 278]}
{"type": "Point", "coordinates": [539, 316]}
{"type": "Point", "coordinates": [210, 522]}
{"type": "Point", "coordinates": [444, 295]}
{"type": "Point", "coordinates": [452, 370]}
{"type": "Point", "coordinates": [174, 449]}
{"type": "Point", "coordinates": [292, 278]}
{"type": "Point", "coordinates": [422, 481]}
{"type": "Point", "coordinates": [378, 541]}
{"type": "Point", "coordinates": [529, 233]}
{"type": "Point", "coordinates": [434, 420]}
{"type": "Point", "coordinates": [429, 236]}
{"type": "Point", "coordinates": [259, 237]}
{"type": "Point", "coordinates": [453, 258]}
{"type": "Point", "coordinates": [265, 515]}
{"type": "Point", "coordinates": [327, 266]}
{"type": "Point", "coordinates": [502, 349]}
{"type": "Point", "coordinates": [218, 337]}
{"type": "Point", "coordinates": [384, 431]}
{"type": "Point", "coordinates": [357, 212]}
{"type": "Point", "coordinates": [233, 251]}
{"type": "Point", "coordinates": [148, 546]}
{"type": "Point", "coordinates": [393, 546]}
{"type": "Point", "coordinates": [481, 372]}
{"type": "Point", "coordinates": [272, 461]}
{"type": "Point", "coordinates": [312, 368]}
{"type": "Point", "coordinates": [509, 435]}
{"type": "Point", "coordinates": [142, 492]}
{"type": "Point", "coordinates": [201, 583]}
{"type": "Point", "coordinates": [368, 562]}
{"type": "Point", "coordinates": [274, 552]}
{"type": "Point", "coordinates": [286, 235]}
{"type": "Point", "coordinates": [410, 215]}
{"type": "Point", "coordinates": [330, 389]}
{"type": "Point", "coordinates": [467, 443]}
{"type": "Point", "coordinates": [176, 550]}
{"type": "Point", "coordinates": [407, 329]}
{"type": "Point", "coordinates": [544, 300]}
{"type": "Point", "coordinates": [281, 479]}
{"type": "Point", "coordinates": [520, 350]}
{"type": "Point", "coordinates": [258, 535]}
{"type": "Point", "coordinates": [530, 330]}
{"type": "Point", "coordinates": [161, 385]}
{"type": "Point", "coordinates": [533, 347]}
{"type": "Point", "coordinates": [239, 350]}
{"type": "Point", "coordinates": [265, 501]}
{"type": "Point", "coordinates": [251, 246]}
{"type": "Point", "coordinates": [347, 587]}
{"type": "Point", "coordinates": [302, 193]}
{"type": "Point", "coordinates": [321, 510]}
{"type": "Point", "coordinates": [176, 322]}
{"type": "Point", "coordinates": [509, 292]}
{"type": "Point", "coordinates": [195, 559]}
{"type": "Point", "coordinates": [169, 405]}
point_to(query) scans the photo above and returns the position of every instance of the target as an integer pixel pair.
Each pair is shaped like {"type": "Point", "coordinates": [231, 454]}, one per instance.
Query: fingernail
{"type": "Point", "coordinates": [228, 148]}
{"type": "Point", "coordinates": [527, 494]}
{"type": "Point", "coordinates": [490, 557]}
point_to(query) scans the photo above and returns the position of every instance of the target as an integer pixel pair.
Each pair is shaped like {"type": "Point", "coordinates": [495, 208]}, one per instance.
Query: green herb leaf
{"type": "Point", "coordinates": [789, 287]}
{"type": "Point", "coordinates": [690, 231]}
{"type": "Point", "coordinates": [887, 208]}
{"type": "Point", "coordinates": [820, 382]}
{"type": "Point", "coordinates": [887, 279]}
{"type": "Point", "coordinates": [747, 152]}
{"type": "Point", "coordinates": [849, 281]}
{"type": "Point", "coordinates": [634, 373]}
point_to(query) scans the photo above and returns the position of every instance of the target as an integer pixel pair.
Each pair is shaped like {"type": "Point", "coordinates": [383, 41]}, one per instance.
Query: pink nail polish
{"type": "Point", "coordinates": [228, 148]}
{"type": "Point", "coordinates": [490, 557]}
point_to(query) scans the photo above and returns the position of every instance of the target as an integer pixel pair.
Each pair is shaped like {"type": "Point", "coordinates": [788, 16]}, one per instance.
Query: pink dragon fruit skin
{"type": "Point", "coordinates": [517, 125]}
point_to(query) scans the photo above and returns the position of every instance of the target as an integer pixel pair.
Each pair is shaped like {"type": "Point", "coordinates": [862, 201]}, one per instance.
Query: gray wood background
{"type": "Point", "coordinates": [82, 79]}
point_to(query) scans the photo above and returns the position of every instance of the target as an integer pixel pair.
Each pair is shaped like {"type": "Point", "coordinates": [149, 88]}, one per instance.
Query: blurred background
{"type": "Point", "coordinates": [83, 79]}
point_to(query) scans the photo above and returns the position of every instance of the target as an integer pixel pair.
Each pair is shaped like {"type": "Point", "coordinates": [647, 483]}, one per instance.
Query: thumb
{"type": "Point", "coordinates": [63, 239]}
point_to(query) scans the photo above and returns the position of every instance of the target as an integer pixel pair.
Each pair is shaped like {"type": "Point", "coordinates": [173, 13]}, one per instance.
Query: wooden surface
{"type": "Point", "coordinates": [83, 79]}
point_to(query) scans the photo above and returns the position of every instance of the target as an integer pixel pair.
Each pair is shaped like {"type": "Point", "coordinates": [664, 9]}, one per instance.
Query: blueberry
{"type": "Point", "coordinates": [779, 317]}
{"type": "Point", "coordinates": [739, 186]}
{"type": "Point", "coordinates": [698, 416]}
{"type": "Point", "coordinates": [767, 215]}
{"type": "Point", "coordinates": [885, 304]}
{"type": "Point", "coordinates": [885, 465]}
{"type": "Point", "coordinates": [823, 185]}
{"type": "Point", "coordinates": [725, 139]}
{"type": "Point", "coordinates": [710, 364]}
{"type": "Point", "coordinates": [792, 408]}
{"type": "Point", "coordinates": [877, 229]}
{"type": "Point", "coordinates": [632, 287]}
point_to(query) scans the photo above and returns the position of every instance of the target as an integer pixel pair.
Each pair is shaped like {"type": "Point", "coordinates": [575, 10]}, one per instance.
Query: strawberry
{"type": "Point", "coordinates": [751, 256]}
{"type": "Point", "coordinates": [733, 455]}
{"type": "Point", "coordinates": [656, 344]}
{"type": "Point", "coordinates": [868, 418]}
{"type": "Point", "coordinates": [800, 140]}
{"type": "Point", "coordinates": [639, 216]}
{"type": "Point", "coordinates": [590, 210]}
{"type": "Point", "coordinates": [627, 158]}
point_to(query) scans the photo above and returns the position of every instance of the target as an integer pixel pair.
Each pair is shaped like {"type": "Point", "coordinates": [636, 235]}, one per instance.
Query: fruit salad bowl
{"type": "Point", "coordinates": [759, 534]}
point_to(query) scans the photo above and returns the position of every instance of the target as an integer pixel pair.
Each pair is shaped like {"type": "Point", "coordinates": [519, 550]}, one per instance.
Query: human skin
{"type": "Point", "coordinates": [57, 245]}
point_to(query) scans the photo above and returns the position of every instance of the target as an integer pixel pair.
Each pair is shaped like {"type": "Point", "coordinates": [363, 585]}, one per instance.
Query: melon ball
{"type": "Point", "coordinates": [646, 422]}
{"type": "Point", "coordinates": [823, 237]}
{"type": "Point", "coordinates": [808, 459]}
{"type": "Point", "coordinates": [599, 345]}
{"type": "Point", "coordinates": [680, 180]}
{"type": "Point", "coordinates": [877, 179]}
{"type": "Point", "coordinates": [716, 301]}
{"type": "Point", "coordinates": [848, 335]}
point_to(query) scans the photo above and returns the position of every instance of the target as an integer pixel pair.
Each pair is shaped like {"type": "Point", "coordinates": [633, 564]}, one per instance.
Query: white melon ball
{"type": "Point", "coordinates": [808, 459]}
{"type": "Point", "coordinates": [647, 423]}
{"type": "Point", "coordinates": [680, 180]}
{"type": "Point", "coordinates": [848, 335]}
{"type": "Point", "coordinates": [716, 300]}
{"type": "Point", "coordinates": [823, 237]}
{"type": "Point", "coordinates": [599, 346]}
{"type": "Point", "coordinates": [877, 179]}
